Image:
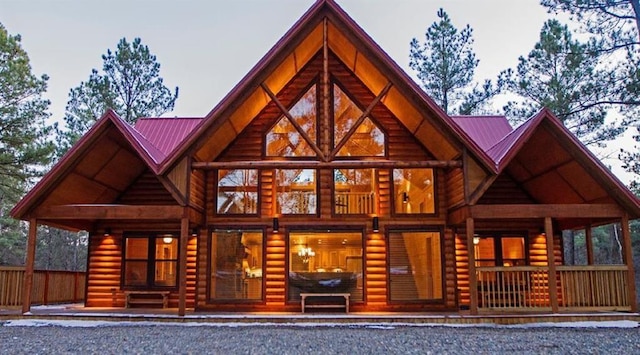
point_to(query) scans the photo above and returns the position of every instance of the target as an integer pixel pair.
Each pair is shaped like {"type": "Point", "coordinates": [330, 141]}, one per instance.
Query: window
{"type": "Point", "coordinates": [284, 139]}
{"type": "Point", "coordinates": [415, 266]}
{"type": "Point", "coordinates": [367, 140]}
{"type": "Point", "coordinates": [325, 262]}
{"type": "Point", "coordinates": [296, 191]}
{"type": "Point", "coordinates": [414, 191]}
{"type": "Point", "coordinates": [238, 191]}
{"type": "Point", "coordinates": [236, 265]}
{"type": "Point", "coordinates": [151, 261]}
{"type": "Point", "coordinates": [354, 191]}
{"type": "Point", "coordinates": [500, 250]}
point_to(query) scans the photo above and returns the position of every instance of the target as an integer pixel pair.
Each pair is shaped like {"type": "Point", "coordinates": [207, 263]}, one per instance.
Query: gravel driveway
{"type": "Point", "coordinates": [360, 339]}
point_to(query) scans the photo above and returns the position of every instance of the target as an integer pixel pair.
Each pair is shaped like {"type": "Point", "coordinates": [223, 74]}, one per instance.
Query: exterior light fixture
{"type": "Point", "coordinates": [107, 232]}
{"type": "Point", "coordinates": [376, 224]}
{"type": "Point", "coordinates": [405, 197]}
{"type": "Point", "coordinates": [194, 232]}
{"type": "Point", "coordinates": [276, 225]}
{"type": "Point", "coordinates": [167, 240]}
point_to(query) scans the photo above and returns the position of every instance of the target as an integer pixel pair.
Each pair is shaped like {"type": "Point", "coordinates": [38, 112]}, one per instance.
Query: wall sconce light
{"type": "Point", "coordinates": [276, 225]}
{"type": "Point", "coordinates": [376, 224]}
{"type": "Point", "coordinates": [543, 231]}
{"type": "Point", "coordinates": [405, 197]}
{"type": "Point", "coordinates": [194, 232]}
{"type": "Point", "coordinates": [107, 232]}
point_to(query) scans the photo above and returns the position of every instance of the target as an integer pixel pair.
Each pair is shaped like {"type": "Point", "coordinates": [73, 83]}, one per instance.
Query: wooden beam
{"type": "Point", "coordinates": [182, 266]}
{"type": "Point", "coordinates": [126, 212]}
{"type": "Point", "coordinates": [340, 164]}
{"type": "Point", "coordinates": [546, 210]}
{"type": "Point", "coordinates": [551, 265]}
{"type": "Point", "coordinates": [628, 261]}
{"type": "Point", "coordinates": [458, 216]}
{"type": "Point", "coordinates": [473, 280]}
{"type": "Point", "coordinates": [326, 93]}
{"type": "Point", "coordinates": [29, 265]}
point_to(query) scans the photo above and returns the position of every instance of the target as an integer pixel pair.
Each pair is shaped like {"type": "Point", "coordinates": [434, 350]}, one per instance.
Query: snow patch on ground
{"type": "Point", "coordinates": [382, 326]}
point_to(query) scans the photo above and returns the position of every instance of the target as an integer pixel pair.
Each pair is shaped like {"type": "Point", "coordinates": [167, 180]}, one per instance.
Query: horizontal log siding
{"type": "Point", "coordinates": [505, 190]}
{"type": "Point", "coordinates": [275, 272]}
{"type": "Point", "coordinates": [454, 182]}
{"type": "Point", "coordinates": [376, 270]}
{"type": "Point", "coordinates": [462, 269]}
{"type": "Point", "coordinates": [174, 296]}
{"type": "Point", "coordinates": [451, 289]}
{"type": "Point", "coordinates": [197, 189]}
{"type": "Point", "coordinates": [147, 190]}
{"type": "Point", "coordinates": [104, 270]}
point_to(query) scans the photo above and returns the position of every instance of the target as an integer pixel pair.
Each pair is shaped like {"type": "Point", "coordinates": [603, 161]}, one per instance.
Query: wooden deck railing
{"type": "Point", "coordinates": [580, 288]}
{"type": "Point", "coordinates": [597, 287]}
{"type": "Point", "coordinates": [49, 287]}
{"type": "Point", "coordinates": [355, 203]}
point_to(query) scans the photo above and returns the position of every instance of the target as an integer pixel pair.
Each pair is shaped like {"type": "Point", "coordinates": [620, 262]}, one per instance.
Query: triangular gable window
{"type": "Point", "coordinates": [365, 140]}
{"type": "Point", "coordinates": [285, 140]}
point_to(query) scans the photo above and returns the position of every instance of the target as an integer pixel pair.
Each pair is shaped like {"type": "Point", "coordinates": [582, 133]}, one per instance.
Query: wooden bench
{"type": "Point", "coordinates": [304, 297]}
{"type": "Point", "coordinates": [147, 298]}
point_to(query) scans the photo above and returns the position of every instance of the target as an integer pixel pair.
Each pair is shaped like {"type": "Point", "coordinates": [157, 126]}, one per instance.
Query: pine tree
{"type": "Point", "coordinates": [445, 64]}
{"type": "Point", "coordinates": [130, 84]}
{"type": "Point", "coordinates": [561, 74]}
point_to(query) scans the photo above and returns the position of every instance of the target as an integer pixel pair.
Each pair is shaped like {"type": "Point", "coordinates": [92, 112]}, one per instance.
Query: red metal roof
{"type": "Point", "coordinates": [162, 135]}
{"type": "Point", "coordinates": [486, 131]}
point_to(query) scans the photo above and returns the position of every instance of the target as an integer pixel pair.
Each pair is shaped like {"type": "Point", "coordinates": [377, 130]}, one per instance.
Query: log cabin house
{"type": "Point", "coordinates": [327, 169]}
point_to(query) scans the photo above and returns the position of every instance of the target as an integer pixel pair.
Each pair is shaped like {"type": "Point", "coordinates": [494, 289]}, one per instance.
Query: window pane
{"type": "Point", "coordinates": [415, 266]}
{"type": "Point", "coordinates": [345, 112]}
{"type": "Point", "coordinates": [166, 273]}
{"type": "Point", "coordinates": [354, 191]}
{"type": "Point", "coordinates": [414, 190]}
{"type": "Point", "coordinates": [238, 191]}
{"type": "Point", "coordinates": [485, 251]}
{"type": "Point", "coordinates": [137, 248]}
{"type": "Point", "coordinates": [513, 251]}
{"type": "Point", "coordinates": [366, 141]}
{"type": "Point", "coordinates": [135, 273]}
{"type": "Point", "coordinates": [296, 191]}
{"type": "Point", "coordinates": [284, 140]}
{"type": "Point", "coordinates": [325, 262]}
{"type": "Point", "coordinates": [236, 267]}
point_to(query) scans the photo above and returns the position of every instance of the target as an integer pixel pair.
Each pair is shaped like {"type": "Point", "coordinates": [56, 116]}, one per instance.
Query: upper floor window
{"type": "Point", "coordinates": [365, 140]}
{"type": "Point", "coordinates": [284, 139]}
{"type": "Point", "coordinates": [414, 191]}
{"type": "Point", "coordinates": [238, 191]}
{"type": "Point", "coordinates": [296, 191]}
{"type": "Point", "coordinates": [354, 191]}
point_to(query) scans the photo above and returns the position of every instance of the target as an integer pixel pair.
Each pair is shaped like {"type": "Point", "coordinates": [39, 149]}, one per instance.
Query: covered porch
{"type": "Point", "coordinates": [534, 284]}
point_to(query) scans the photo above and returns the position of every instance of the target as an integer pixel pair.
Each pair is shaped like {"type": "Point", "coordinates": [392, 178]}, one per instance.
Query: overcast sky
{"type": "Point", "coordinates": [205, 47]}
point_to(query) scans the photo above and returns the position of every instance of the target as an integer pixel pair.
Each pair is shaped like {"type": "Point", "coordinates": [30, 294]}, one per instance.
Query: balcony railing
{"type": "Point", "coordinates": [602, 287]}
{"type": "Point", "coordinates": [354, 203]}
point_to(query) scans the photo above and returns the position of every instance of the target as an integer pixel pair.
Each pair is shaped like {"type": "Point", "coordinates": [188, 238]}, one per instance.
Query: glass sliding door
{"type": "Point", "coordinates": [415, 266]}
{"type": "Point", "coordinates": [325, 262]}
{"type": "Point", "coordinates": [236, 265]}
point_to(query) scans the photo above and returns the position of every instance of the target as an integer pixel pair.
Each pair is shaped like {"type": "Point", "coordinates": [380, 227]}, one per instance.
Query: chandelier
{"type": "Point", "coordinates": [305, 254]}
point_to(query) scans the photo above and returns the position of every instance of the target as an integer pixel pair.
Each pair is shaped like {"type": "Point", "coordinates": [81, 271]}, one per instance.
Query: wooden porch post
{"type": "Point", "coordinates": [553, 279]}
{"type": "Point", "coordinates": [29, 262]}
{"type": "Point", "coordinates": [588, 236]}
{"type": "Point", "coordinates": [473, 281]}
{"type": "Point", "coordinates": [182, 290]}
{"type": "Point", "coordinates": [628, 260]}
